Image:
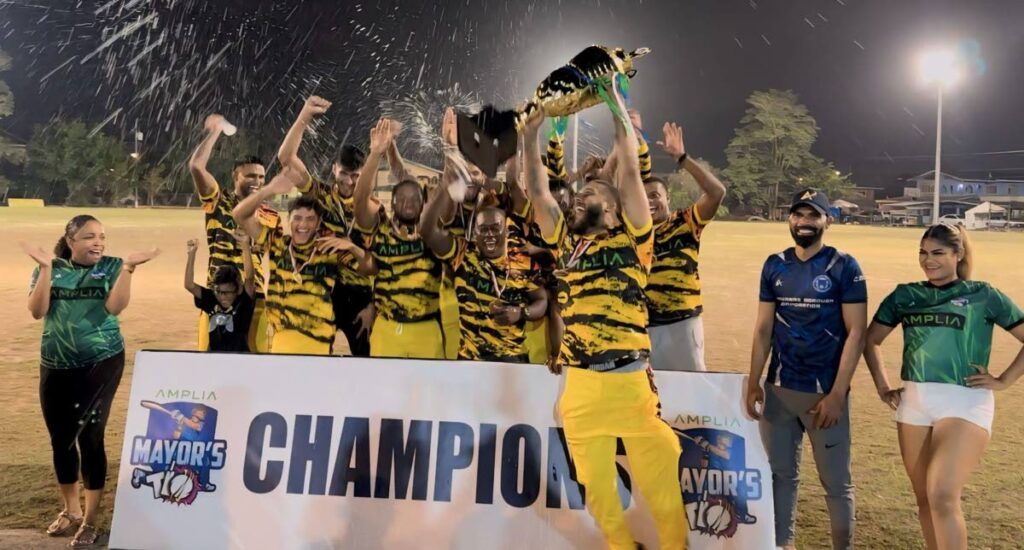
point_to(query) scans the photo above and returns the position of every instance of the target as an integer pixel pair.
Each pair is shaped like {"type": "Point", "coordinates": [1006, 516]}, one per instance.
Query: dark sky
{"type": "Point", "coordinates": [850, 61]}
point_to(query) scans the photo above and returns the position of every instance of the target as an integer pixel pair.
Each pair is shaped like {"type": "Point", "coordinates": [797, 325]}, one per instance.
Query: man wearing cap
{"type": "Point", "coordinates": [810, 321]}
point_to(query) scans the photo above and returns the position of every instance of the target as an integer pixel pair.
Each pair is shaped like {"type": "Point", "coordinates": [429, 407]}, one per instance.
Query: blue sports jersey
{"type": "Point", "coordinates": [809, 333]}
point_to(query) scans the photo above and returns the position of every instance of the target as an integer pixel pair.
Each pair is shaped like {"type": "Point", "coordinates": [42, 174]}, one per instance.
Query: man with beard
{"type": "Point", "coordinates": [303, 268]}
{"type": "Point", "coordinates": [248, 175]}
{"type": "Point", "coordinates": [609, 393]}
{"type": "Point", "coordinates": [353, 294]}
{"type": "Point", "coordinates": [408, 275]}
{"type": "Point", "coordinates": [810, 320]}
{"type": "Point", "coordinates": [673, 290]}
{"type": "Point", "coordinates": [495, 290]}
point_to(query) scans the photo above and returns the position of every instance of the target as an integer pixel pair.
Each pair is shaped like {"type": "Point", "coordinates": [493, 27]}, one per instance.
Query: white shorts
{"type": "Point", "coordinates": [925, 403]}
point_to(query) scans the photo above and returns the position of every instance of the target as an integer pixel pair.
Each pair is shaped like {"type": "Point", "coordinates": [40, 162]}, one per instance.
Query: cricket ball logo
{"type": "Point", "coordinates": [178, 452]}
{"type": "Point", "coordinates": [715, 480]}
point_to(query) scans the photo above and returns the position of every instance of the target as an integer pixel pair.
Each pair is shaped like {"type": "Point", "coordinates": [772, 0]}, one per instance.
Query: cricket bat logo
{"type": "Point", "coordinates": [179, 452]}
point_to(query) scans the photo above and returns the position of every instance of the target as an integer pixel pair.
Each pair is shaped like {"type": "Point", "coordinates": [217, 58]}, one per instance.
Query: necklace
{"type": "Point", "coordinates": [297, 269]}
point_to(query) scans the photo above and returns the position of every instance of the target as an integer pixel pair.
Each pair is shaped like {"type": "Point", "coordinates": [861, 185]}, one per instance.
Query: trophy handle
{"type": "Point", "coordinates": [639, 52]}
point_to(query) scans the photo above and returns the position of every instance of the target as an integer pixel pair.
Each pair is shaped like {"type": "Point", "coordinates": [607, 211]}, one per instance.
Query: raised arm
{"type": "Point", "coordinates": [245, 212]}
{"type": "Point", "coordinates": [248, 270]}
{"type": "Point", "coordinates": [190, 269]}
{"type": "Point", "coordinates": [713, 189]}
{"type": "Point", "coordinates": [635, 208]}
{"type": "Point", "coordinates": [440, 241]}
{"type": "Point", "coordinates": [395, 162]}
{"type": "Point", "coordinates": [366, 212]}
{"type": "Point", "coordinates": [518, 200]}
{"type": "Point", "coordinates": [204, 181]}
{"type": "Point", "coordinates": [39, 298]}
{"type": "Point", "coordinates": [545, 208]}
{"type": "Point", "coordinates": [288, 153]}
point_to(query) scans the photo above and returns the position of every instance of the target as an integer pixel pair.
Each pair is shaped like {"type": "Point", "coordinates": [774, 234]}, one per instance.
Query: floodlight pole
{"type": "Point", "coordinates": [938, 160]}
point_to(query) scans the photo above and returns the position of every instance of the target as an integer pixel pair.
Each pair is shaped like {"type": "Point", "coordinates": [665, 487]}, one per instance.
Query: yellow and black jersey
{"type": "Point", "coordinates": [643, 151]}
{"type": "Point", "coordinates": [673, 289]}
{"type": "Point", "coordinates": [338, 215]}
{"type": "Point", "coordinates": [301, 281]}
{"type": "Point", "coordinates": [480, 282]}
{"type": "Point", "coordinates": [220, 227]}
{"type": "Point", "coordinates": [601, 294]}
{"type": "Point", "coordinates": [408, 281]}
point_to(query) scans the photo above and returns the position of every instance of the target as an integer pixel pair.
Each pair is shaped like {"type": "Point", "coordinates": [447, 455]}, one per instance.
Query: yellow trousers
{"type": "Point", "coordinates": [599, 408]}
{"type": "Point", "coordinates": [537, 340]}
{"type": "Point", "coordinates": [293, 341]}
{"type": "Point", "coordinates": [420, 340]}
{"type": "Point", "coordinates": [258, 341]}
{"type": "Point", "coordinates": [450, 319]}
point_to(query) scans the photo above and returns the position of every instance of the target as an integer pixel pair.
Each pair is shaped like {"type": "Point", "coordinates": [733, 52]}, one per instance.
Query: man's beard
{"type": "Point", "coordinates": [590, 219]}
{"type": "Point", "coordinates": [806, 241]}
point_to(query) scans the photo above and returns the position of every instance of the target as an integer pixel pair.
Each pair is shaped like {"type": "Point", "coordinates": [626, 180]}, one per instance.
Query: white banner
{"type": "Point", "coordinates": [264, 451]}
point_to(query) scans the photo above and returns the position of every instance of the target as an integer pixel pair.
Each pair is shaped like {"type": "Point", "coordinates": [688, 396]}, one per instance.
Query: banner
{"type": "Point", "coordinates": [273, 451]}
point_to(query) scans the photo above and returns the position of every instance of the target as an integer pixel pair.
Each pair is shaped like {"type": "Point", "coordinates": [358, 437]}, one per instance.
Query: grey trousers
{"type": "Point", "coordinates": [782, 426]}
{"type": "Point", "coordinates": [679, 346]}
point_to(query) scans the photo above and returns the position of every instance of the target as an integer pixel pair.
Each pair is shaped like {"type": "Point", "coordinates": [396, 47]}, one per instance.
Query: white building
{"type": "Point", "coordinates": [957, 196]}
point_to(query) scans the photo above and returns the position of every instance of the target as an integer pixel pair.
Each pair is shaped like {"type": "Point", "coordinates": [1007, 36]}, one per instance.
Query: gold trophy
{"type": "Point", "coordinates": [488, 138]}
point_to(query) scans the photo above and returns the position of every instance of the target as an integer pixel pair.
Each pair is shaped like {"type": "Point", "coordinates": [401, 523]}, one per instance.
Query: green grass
{"type": "Point", "coordinates": [162, 316]}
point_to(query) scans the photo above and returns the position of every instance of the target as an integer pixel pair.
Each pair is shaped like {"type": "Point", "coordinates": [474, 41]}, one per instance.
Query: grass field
{"type": "Point", "coordinates": [161, 316]}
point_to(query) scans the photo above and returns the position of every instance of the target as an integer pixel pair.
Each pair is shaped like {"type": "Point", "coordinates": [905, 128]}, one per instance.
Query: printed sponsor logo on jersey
{"type": "Point", "coordinates": [960, 302]}
{"type": "Point", "coordinates": [822, 283]}
{"type": "Point", "coordinates": [178, 452]}
{"type": "Point", "coordinates": [83, 293]}
{"type": "Point", "coordinates": [948, 320]}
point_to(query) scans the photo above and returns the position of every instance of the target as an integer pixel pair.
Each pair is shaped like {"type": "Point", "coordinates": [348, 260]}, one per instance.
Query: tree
{"type": "Point", "coordinates": [770, 155]}
{"type": "Point", "coordinates": [684, 191]}
{"type": "Point", "coordinates": [9, 151]}
{"type": "Point", "coordinates": [68, 165]}
{"type": "Point", "coordinates": [154, 181]}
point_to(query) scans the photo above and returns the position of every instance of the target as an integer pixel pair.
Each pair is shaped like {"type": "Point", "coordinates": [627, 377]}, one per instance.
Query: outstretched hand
{"type": "Point", "coordinates": [138, 258]}
{"type": "Point", "coordinates": [673, 142]}
{"type": "Point", "coordinates": [381, 136]}
{"type": "Point", "coordinates": [449, 129]}
{"type": "Point", "coordinates": [42, 257]}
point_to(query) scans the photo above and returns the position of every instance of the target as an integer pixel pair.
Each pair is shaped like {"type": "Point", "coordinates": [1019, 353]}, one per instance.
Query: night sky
{"type": "Point", "coordinates": [850, 61]}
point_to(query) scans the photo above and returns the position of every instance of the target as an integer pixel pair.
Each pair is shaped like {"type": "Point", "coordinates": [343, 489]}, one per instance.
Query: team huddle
{"type": "Point", "coordinates": [590, 273]}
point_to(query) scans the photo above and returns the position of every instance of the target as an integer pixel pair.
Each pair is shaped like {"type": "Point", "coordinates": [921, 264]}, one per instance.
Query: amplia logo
{"type": "Point", "coordinates": [178, 452]}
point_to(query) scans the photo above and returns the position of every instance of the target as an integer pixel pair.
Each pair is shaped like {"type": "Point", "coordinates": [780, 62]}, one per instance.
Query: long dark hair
{"type": "Point", "coordinates": [955, 237]}
{"type": "Point", "coordinates": [62, 250]}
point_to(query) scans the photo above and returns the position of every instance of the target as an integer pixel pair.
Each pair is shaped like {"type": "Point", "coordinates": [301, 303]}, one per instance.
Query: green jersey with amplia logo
{"type": "Point", "coordinates": [78, 330]}
{"type": "Point", "coordinates": [946, 329]}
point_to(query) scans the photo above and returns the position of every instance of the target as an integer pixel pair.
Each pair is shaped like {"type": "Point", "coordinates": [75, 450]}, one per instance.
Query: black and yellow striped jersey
{"type": "Point", "coordinates": [643, 151]}
{"type": "Point", "coordinates": [480, 282]}
{"type": "Point", "coordinates": [408, 281]}
{"type": "Point", "coordinates": [601, 294]}
{"type": "Point", "coordinates": [300, 285]}
{"type": "Point", "coordinates": [337, 215]}
{"type": "Point", "coordinates": [673, 289]}
{"type": "Point", "coordinates": [220, 227]}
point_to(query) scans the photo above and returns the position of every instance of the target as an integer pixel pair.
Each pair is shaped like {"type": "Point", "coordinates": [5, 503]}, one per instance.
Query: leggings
{"type": "Point", "coordinates": [76, 403]}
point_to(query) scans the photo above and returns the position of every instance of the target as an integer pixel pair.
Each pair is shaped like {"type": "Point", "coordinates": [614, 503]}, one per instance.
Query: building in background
{"type": "Point", "coordinates": [957, 196]}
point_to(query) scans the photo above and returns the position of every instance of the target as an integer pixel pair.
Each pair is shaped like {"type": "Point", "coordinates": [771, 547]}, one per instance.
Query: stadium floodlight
{"type": "Point", "coordinates": [942, 68]}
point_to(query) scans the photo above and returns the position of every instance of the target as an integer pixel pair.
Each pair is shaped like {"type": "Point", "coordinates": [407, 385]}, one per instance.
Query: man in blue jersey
{"type": "Point", "coordinates": [811, 319]}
